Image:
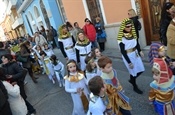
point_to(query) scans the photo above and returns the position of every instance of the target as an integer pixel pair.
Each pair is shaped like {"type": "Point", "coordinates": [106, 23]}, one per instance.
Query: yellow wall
{"type": "Point", "coordinates": [74, 11]}
{"type": "Point", "coordinates": [116, 10]}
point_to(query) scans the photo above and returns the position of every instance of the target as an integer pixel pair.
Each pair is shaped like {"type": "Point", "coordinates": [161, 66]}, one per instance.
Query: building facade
{"type": "Point", "coordinates": [37, 13]}
{"type": "Point", "coordinates": [12, 25]}
{"type": "Point", "coordinates": [112, 12]}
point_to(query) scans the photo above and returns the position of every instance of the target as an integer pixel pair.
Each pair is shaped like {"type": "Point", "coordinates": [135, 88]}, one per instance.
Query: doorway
{"type": "Point", "coordinates": [151, 13]}
{"type": "Point", "coordinates": [94, 10]}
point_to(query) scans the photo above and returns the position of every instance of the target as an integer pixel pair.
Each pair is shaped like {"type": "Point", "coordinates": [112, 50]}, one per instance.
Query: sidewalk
{"type": "Point", "coordinates": [115, 53]}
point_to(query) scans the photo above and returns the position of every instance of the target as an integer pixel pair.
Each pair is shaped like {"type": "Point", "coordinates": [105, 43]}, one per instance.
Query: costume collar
{"type": "Point", "coordinates": [75, 78]}
{"type": "Point", "coordinates": [108, 75]}
{"type": "Point", "coordinates": [164, 87]}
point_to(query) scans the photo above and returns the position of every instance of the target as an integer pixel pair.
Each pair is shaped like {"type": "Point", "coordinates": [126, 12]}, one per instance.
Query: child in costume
{"type": "Point", "coordinates": [59, 69]}
{"type": "Point", "coordinates": [48, 66]}
{"type": "Point", "coordinates": [161, 94]}
{"type": "Point", "coordinates": [120, 102]}
{"type": "Point", "coordinates": [37, 49]}
{"type": "Point", "coordinates": [99, 101]}
{"type": "Point", "coordinates": [97, 55]}
{"type": "Point", "coordinates": [48, 50]}
{"type": "Point", "coordinates": [75, 85]}
{"type": "Point", "coordinates": [91, 68]}
{"type": "Point", "coordinates": [66, 43]}
{"type": "Point", "coordinates": [131, 52]}
{"type": "Point", "coordinates": [83, 49]}
{"type": "Point", "coordinates": [157, 50]}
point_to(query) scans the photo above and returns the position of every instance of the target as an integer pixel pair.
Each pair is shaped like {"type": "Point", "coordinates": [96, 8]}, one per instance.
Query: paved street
{"type": "Point", "coordinates": [49, 99]}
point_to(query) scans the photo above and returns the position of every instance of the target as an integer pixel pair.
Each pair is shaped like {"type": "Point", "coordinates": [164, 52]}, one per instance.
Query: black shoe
{"type": "Point", "coordinates": [137, 90]}
{"type": "Point", "coordinates": [31, 113]}
{"type": "Point", "coordinates": [130, 81]}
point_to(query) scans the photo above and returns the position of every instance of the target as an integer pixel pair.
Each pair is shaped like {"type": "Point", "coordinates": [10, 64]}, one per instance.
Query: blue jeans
{"type": "Point", "coordinates": [94, 44]}
{"type": "Point", "coordinates": [56, 42]}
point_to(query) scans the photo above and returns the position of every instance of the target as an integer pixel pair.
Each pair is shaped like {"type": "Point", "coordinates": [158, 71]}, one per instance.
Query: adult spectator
{"type": "Point", "coordinates": [3, 50]}
{"type": "Point", "coordinates": [101, 34]}
{"type": "Point", "coordinates": [39, 39]}
{"type": "Point", "coordinates": [55, 36]}
{"type": "Point", "coordinates": [137, 25]}
{"type": "Point", "coordinates": [17, 104]}
{"type": "Point", "coordinates": [77, 27]}
{"type": "Point", "coordinates": [4, 104]}
{"type": "Point", "coordinates": [50, 37]}
{"type": "Point", "coordinates": [43, 32]}
{"type": "Point", "coordinates": [90, 32]}
{"type": "Point", "coordinates": [71, 30]}
{"type": "Point", "coordinates": [15, 73]}
{"type": "Point", "coordinates": [171, 41]}
{"type": "Point", "coordinates": [25, 53]}
{"type": "Point", "coordinates": [166, 17]}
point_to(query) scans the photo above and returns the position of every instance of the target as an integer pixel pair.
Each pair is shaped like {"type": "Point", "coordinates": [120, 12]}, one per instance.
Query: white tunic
{"type": "Point", "coordinates": [49, 67]}
{"type": "Point", "coordinates": [59, 68]}
{"type": "Point", "coordinates": [71, 87]}
{"type": "Point", "coordinates": [96, 107]}
{"type": "Point", "coordinates": [17, 103]}
{"type": "Point", "coordinates": [49, 52]}
{"type": "Point", "coordinates": [68, 42]}
{"type": "Point", "coordinates": [83, 50]}
{"type": "Point", "coordinates": [90, 75]}
{"type": "Point", "coordinates": [133, 56]}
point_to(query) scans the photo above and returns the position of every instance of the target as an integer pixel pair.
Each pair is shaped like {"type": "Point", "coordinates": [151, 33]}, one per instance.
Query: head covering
{"type": "Point", "coordinates": [164, 70]}
{"type": "Point", "coordinates": [153, 52]}
{"type": "Point", "coordinates": [61, 35]}
{"type": "Point", "coordinates": [86, 40]}
{"type": "Point", "coordinates": [168, 5]}
{"type": "Point", "coordinates": [122, 27]}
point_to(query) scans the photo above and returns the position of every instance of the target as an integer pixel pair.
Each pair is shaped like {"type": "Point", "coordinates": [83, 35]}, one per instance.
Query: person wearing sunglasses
{"type": "Point", "coordinates": [90, 32]}
{"type": "Point", "coordinates": [131, 52]}
{"type": "Point", "coordinates": [134, 17]}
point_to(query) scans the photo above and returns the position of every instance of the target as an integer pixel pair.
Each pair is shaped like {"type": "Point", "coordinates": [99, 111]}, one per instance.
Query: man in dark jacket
{"type": "Point", "coordinates": [3, 50]}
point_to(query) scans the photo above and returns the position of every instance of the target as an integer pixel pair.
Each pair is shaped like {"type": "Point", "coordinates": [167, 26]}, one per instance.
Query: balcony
{"type": "Point", "coordinates": [11, 5]}
{"type": "Point", "coordinates": [24, 5]}
{"type": "Point", "coordinates": [18, 22]}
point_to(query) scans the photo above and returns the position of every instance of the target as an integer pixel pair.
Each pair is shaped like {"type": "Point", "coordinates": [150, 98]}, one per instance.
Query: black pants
{"type": "Point", "coordinates": [24, 96]}
{"type": "Point", "coordinates": [102, 45]}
